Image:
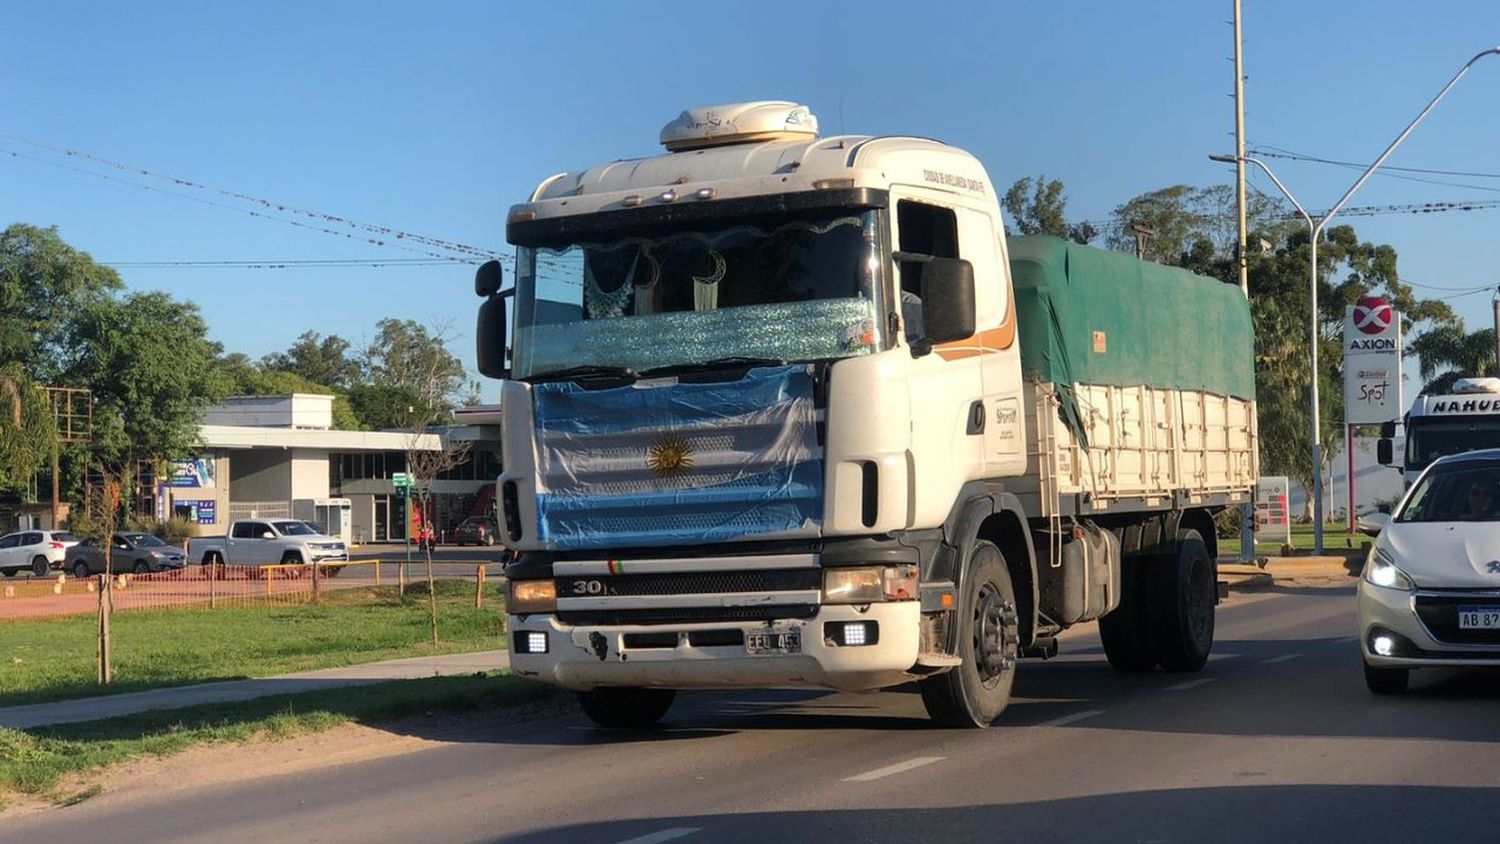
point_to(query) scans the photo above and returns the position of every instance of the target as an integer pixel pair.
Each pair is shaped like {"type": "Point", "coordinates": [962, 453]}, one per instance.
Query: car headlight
{"type": "Point", "coordinates": [867, 585]}
{"type": "Point", "coordinates": [531, 596]}
{"type": "Point", "coordinates": [1381, 571]}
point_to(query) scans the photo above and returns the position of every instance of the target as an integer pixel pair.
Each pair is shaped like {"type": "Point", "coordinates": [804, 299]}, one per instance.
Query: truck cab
{"type": "Point", "coordinates": [1468, 419]}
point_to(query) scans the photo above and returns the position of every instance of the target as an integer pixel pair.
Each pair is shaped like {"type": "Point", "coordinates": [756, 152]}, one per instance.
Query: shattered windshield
{"type": "Point", "coordinates": [797, 287]}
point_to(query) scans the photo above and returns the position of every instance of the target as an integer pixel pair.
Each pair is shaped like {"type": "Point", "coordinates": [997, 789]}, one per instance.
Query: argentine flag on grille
{"type": "Point", "coordinates": [674, 464]}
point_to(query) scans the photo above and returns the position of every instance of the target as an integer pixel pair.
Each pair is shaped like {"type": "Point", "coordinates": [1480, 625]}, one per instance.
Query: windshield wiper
{"type": "Point", "coordinates": [586, 371]}
{"type": "Point", "coordinates": [730, 362]}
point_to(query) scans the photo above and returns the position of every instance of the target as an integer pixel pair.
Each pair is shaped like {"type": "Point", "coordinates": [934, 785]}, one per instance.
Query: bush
{"type": "Point", "coordinates": [171, 531]}
{"type": "Point", "coordinates": [1227, 523]}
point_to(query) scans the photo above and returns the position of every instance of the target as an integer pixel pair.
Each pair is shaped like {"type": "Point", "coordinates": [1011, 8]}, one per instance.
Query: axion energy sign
{"type": "Point", "coordinates": [1372, 362]}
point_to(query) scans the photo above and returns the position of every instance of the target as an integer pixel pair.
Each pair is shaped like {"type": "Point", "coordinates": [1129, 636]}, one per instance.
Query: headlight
{"type": "Point", "coordinates": [1382, 571]}
{"type": "Point", "coordinates": [530, 596]}
{"type": "Point", "coordinates": [867, 585]}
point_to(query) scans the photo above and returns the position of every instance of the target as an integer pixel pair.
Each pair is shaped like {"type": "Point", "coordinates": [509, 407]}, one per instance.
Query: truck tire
{"type": "Point", "coordinates": [1386, 681]}
{"type": "Point", "coordinates": [627, 707]}
{"type": "Point", "coordinates": [974, 693]}
{"type": "Point", "coordinates": [1183, 592]}
{"type": "Point", "coordinates": [1126, 631]}
{"type": "Point", "coordinates": [213, 558]}
{"type": "Point", "coordinates": [39, 566]}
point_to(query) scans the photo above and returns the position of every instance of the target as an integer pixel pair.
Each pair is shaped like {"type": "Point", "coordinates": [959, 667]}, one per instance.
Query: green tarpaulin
{"type": "Point", "coordinates": [1088, 316]}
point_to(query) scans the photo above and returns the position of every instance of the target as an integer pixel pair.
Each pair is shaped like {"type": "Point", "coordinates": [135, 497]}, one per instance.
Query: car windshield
{"type": "Point", "coordinates": [794, 287]}
{"type": "Point", "coordinates": [1457, 492]}
{"type": "Point", "coordinates": [295, 528]}
{"type": "Point", "coordinates": [1429, 439]}
{"type": "Point", "coordinates": [143, 540]}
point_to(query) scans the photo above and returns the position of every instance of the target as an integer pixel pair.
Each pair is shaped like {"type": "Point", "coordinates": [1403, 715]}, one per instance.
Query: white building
{"type": "Point", "coordinates": [278, 455]}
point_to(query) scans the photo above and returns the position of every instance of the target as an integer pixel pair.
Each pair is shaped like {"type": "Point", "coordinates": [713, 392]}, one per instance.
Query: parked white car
{"type": "Point", "coordinates": [37, 550]}
{"type": "Point", "coordinates": [1430, 593]}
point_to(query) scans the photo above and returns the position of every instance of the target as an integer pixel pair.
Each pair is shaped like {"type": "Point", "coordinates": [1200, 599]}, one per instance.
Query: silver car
{"type": "Point", "coordinates": [1430, 593]}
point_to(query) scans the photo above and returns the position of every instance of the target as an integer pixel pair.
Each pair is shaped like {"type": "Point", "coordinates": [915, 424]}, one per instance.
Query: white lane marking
{"type": "Point", "coordinates": [662, 835]}
{"type": "Point", "coordinates": [1283, 658]}
{"type": "Point", "coordinates": [1191, 684]}
{"type": "Point", "coordinates": [1069, 719]}
{"type": "Point", "coordinates": [1347, 639]}
{"type": "Point", "coordinates": [899, 767]}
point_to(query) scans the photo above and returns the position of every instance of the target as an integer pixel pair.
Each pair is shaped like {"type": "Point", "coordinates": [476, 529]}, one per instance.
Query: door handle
{"type": "Point", "coordinates": [976, 418]}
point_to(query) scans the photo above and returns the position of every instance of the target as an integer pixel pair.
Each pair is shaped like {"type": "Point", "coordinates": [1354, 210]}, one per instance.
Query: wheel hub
{"type": "Point", "coordinates": [995, 639]}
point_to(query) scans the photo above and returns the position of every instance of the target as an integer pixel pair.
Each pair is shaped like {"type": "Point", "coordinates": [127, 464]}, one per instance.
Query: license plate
{"type": "Point", "coordinates": [1479, 618]}
{"type": "Point", "coordinates": [774, 641]}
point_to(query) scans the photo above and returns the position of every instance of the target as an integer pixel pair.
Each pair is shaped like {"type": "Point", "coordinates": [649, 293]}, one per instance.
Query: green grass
{"type": "Point", "coordinates": [54, 660]}
{"type": "Point", "coordinates": [1336, 541]}
{"type": "Point", "coordinates": [35, 762]}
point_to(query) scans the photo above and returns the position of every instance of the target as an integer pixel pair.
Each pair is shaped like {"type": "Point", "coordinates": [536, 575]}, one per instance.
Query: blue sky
{"type": "Point", "coordinates": [433, 119]}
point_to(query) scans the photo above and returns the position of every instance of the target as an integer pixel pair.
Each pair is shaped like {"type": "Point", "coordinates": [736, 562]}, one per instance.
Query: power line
{"type": "Point", "coordinates": [1273, 151]}
{"type": "Point", "coordinates": [288, 263]}
{"type": "Point", "coordinates": [279, 207]}
{"type": "Point", "coordinates": [1382, 171]}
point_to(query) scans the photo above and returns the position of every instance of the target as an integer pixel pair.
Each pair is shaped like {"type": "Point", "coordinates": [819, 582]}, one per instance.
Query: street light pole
{"type": "Point", "coordinates": [1316, 228]}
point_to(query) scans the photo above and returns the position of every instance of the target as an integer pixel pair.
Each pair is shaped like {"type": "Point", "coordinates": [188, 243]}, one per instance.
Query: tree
{"type": "Point", "coordinates": [151, 367]}
{"type": "Point", "coordinates": [1040, 207]}
{"type": "Point", "coordinates": [320, 360]}
{"type": "Point", "coordinates": [406, 355]}
{"type": "Point", "coordinates": [43, 283]}
{"type": "Point", "coordinates": [384, 407]}
{"type": "Point", "coordinates": [1450, 350]}
{"type": "Point", "coordinates": [26, 430]}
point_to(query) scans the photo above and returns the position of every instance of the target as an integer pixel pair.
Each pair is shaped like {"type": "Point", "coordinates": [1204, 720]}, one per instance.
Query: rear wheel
{"type": "Point", "coordinates": [141, 567]}
{"type": "Point", "coordinates": [489, 539]}
{"type": "Point", "coordinates": [628, 707]}
{"type": "Point", "coordinates": [80, 569]}
{"type": "Point", "coordinates": [1387, 681]}
{"type": "Point", "coordinates": [39, 566]}
{"type": "Point", "coordinates": [1126, 630]}
{"type": "Point", "coordinates": [974, 693]}
{"type": "Point", "coordinates": [1183, 593]}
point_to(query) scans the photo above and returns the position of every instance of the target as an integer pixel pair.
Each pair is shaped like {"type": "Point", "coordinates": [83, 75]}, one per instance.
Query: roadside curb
{"type": "Point", "coordinates": [1240, 576]}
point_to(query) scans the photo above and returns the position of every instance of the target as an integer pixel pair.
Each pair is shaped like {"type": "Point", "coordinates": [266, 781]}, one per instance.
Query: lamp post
{"type": "Point", "coordinates": [1316, 227]}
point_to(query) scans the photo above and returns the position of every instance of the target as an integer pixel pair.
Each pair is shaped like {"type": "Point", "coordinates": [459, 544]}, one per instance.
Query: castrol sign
{"type": "Point", "coordinates": [1372, 362]}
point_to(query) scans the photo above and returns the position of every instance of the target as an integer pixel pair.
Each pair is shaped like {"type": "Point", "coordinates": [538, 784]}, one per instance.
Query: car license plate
{"type": "Point", "coordinates": [1479, 618]}
{"type": "Point", "coordinates": [777, 640]}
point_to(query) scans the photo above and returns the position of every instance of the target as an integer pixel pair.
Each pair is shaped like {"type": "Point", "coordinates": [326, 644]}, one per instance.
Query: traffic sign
{"type": "Point", "coordinates": [401, 480]}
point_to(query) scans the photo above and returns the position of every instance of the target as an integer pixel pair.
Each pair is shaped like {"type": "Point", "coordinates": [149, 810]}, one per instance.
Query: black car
{"type": "Point", "coordinates": [476, 530]}
{"type": "Point", "coordinates": [130, 552]}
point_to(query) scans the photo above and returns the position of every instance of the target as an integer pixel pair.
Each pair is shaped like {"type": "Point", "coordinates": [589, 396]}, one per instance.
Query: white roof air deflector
{"type": "Point", "coordinates": [739, 123]}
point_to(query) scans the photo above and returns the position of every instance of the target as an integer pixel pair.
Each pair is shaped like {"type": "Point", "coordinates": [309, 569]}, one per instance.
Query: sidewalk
{"type": "Point", "coordinates": [1242, 576]}
{"type": "Point", "coordinates": [112, 706]}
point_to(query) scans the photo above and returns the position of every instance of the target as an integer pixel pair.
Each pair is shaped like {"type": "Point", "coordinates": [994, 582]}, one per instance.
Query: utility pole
{"type": "Point", "coordinates": [1496, 303]}
{"type": "Point", "coordinates": [1239, 147]}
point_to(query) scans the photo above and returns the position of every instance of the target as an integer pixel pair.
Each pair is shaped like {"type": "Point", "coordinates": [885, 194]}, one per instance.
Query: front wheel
{"type": "Point", "coordinates": [626, 708]}
{"type": "Point", "coordinates": [974, 693]}
{"type": "Point", "coordinates": [39, 566]}
{"type": "Point", "coordinates": [1386, 681]}
{"type": "Point", "coordinates": [142, 568]}
{"type": "Point", "coordinates": [11, 572]}
{"type": "Point", "coordinates": [1183, 593]}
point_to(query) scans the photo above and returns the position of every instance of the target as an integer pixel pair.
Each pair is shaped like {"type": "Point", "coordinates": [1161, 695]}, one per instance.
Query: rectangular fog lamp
{"type": "Point", "coordinates": [851, 634]}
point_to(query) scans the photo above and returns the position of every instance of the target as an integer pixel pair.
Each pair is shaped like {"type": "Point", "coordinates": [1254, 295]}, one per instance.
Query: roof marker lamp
{"type": "Point", "coordinates": [1382, 571]}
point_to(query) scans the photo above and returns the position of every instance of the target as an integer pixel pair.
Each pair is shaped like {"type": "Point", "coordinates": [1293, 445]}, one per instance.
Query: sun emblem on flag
{"type": "Point", "coordinates": [670, 457]}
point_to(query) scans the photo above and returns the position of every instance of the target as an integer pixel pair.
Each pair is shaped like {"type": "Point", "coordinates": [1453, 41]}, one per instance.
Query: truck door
{"type": "Point", "coordinates": [946, 389]}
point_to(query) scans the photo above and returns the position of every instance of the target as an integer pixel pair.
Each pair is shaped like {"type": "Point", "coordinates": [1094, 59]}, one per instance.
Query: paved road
{"type": "Point", "coordinates": [1276, 740]}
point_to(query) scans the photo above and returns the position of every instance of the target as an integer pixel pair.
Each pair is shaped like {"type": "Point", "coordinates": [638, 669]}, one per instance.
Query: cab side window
{"type": "Point", "coordinates": [922, 230]}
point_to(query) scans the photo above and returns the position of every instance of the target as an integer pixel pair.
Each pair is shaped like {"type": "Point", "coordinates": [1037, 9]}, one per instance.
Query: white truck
{"type": "Point", "coordinates": [267, 542]}
{"type": "Point", "coordinates": [1468, 419]}
{"type": "Point", "coordinates": [789, 410]}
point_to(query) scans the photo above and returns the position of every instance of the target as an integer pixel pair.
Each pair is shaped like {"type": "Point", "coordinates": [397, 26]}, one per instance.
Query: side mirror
{"type": "Point", "coordinates": [1388, 429]}
{"type": "Point", "coordinates": [1384, 452]}
{"type": "Point", "coordinates": [267, 535]}
{"type": "Point", "coordinates": [947, 300]}
{"type": "Point", "coordinates": [489, 338]}
{"type": "Point", "coordinates": [1373, 523]}
{"type": "Point", "coordinates": [487, 279]}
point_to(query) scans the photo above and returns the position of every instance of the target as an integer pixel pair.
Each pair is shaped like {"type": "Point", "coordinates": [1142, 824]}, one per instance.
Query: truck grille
{"type": "Point", "coordinates": [691, 583]}
{"type": "Point", "coordinates": [685, 615]}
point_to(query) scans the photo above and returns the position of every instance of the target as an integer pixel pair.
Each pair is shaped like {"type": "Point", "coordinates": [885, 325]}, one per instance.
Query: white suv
{"type": "Point", "coordinates": [37, 550]}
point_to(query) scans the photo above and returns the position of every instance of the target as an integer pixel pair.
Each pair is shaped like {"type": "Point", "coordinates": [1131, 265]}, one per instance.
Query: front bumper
{"type": "Point", "coordinates": [583, 657]}
{"type": "Point", "coordinates": [1394, 611]}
